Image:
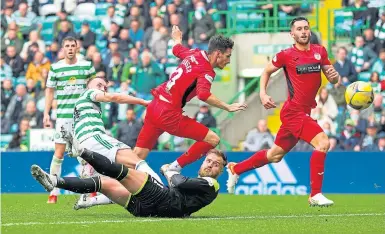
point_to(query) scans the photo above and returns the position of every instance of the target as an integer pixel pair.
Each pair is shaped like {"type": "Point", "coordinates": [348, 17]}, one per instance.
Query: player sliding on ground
{"type": "Point", "coordinates": [138, 192]}
{"type": "Point", "coordinates": [302, 64]}
{"type": "Point", "coordinates": [193, 77]}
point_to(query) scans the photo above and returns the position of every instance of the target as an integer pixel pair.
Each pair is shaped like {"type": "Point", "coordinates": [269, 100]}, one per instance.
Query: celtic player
{"type": "Point", "coordinates": [68, 77]}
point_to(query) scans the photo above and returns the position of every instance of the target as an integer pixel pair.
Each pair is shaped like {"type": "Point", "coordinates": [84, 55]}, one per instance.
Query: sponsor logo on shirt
{"type": "Point", "coordinates": [308, 68]}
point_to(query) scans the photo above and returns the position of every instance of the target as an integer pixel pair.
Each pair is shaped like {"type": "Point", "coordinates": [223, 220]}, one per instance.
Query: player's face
{"type": "Point", "coordinates": [301, 32]}
{"type": "Point", "coordinates": [223, 58]}
{"type": "Point", "coordinates": [69, 48]}
{"type": "Point", "coordinates": [212, 166]}
{"type": "Point", "coordinates": [99, 84]}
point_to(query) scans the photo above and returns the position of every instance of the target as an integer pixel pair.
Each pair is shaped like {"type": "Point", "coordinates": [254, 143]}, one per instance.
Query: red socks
{"type": "Point", "coordinates": [196, 151]}
{"type": "Point", "coordinates": [258, 159]}
{"type": "Point", "coordinates": [317, 165]}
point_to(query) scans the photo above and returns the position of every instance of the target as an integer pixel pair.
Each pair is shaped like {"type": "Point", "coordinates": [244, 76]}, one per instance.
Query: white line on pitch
{"type": "Point", "coordinates": [145, 220]}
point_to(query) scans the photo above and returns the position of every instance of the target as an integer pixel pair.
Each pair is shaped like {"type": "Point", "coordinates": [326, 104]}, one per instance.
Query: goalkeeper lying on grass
{"type": "Point", "coordinates": [138, 192]}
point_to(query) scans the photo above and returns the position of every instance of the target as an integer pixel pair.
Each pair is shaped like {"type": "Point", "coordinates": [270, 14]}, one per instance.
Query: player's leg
{"type": "Point", "coordinates": [284, 142]}
{"type": "Point", "coordinates": [55, 169]}
{"type": "Point", "coordinates": [315, 136]}
{"type": "Point", "coordinates": [206, 140]}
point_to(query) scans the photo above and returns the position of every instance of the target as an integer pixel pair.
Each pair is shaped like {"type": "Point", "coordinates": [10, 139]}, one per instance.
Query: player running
{"type": "Point", "coordinates": [138, 192]}
{"type": "Point", "coordinates": [193, 77]}
{"type": "Point", "coordinates": [302, 64]}
{"type": "Point", "coordinates": [68, 77]}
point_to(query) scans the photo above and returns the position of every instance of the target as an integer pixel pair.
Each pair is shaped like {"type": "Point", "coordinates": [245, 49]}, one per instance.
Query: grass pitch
{"type": "Point", "coordinates": [29, 213]}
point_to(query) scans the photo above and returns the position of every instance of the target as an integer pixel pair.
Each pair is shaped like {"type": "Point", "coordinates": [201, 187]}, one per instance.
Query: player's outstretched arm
{"type": "Point", "coordinates": [266, 100]}
{"type": "Point", "coordinates": [214, 101]}
{"type": "Point", "coordinates": [120, 99]}
{"type": "Point", "coordinates": [331, 74]}
{"type": "Point", "coordinates": [49, 95]}
{"type": "Point", "coordinates": [178, 50]}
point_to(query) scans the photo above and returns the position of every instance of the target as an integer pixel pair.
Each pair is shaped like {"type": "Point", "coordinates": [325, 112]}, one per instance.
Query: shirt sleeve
{"type": "Point", "coordinates": [180, 51]}
{"type": "Point", "coordinates": [51, 81]}
{"type": "Point", "coordinates": [324, 57]}
{"type": "Point", "coordinates": [205, 184]}
{"type": "Point", "coordinates": [91, 72]}
{"type": "Point", "coordinates": [204, 83]}
{"type": "Point", "coordinates": [91, 94]}
{"type": "Point", "coordinates": [279, 59]}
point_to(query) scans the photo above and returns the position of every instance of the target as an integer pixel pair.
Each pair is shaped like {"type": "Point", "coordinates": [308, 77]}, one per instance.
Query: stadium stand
{"type": "Point", "coordinates": [355, 38]}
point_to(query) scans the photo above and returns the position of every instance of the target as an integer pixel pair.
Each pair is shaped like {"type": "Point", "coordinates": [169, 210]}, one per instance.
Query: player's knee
{"type": "Point", "coordinates": [214, 140]}
{"type": "Point", "coordinates": [323, 145]}
{"type": "Point", "coordinates": [275, 158]}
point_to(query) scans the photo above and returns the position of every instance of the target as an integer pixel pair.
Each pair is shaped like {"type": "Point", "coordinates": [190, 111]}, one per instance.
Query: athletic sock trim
{"type": "Point", "coordinates": [128, 201]}
{"type": "Point", "coordinates": [141, 187]}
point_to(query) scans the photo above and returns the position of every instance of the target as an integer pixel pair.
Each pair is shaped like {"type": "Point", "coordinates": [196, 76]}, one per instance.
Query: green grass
{"type": "Point", "coordinates": [228, 214]}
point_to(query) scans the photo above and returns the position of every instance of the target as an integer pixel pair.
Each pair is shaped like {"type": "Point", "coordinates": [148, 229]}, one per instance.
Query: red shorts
{"type": "Point", "coordinates": [296, 124]}
{"type": "Point", "coordinates": [163, 117]}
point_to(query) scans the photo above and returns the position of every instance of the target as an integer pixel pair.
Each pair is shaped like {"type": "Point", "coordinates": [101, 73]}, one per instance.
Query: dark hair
{"type": "Point", "coordinates": [220, 154]}
{"type": "Point", "coordinates": [300, 18]}
{"type": "Point", "coordinates": [342, 48]}
{"type": "Point", "coordinates": [382, 50]}
{"type": "Point", "coordinates": [221, 43]}
{"type": "Point", "coordinates": [69, 39]}
{"type": "Point", "coordinates": [97, 77]}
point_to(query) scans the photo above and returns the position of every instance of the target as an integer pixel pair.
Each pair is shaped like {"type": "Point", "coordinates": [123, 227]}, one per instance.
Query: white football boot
{"type": "Point", "coordinates": [233, 178]}
{"type": "Point", "coordinates": [320, 200]}
{"type": "Point", "coordinates": [84, 202]}
{"type": "Point", "coordinates": [48, 181]}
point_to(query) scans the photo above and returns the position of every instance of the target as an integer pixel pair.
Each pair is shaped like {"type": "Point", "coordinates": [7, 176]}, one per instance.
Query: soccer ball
{"type": "Point", "coordinates": [359, 95]}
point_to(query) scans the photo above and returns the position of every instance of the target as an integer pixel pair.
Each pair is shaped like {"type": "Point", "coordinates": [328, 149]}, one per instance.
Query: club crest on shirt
{"type": "Point", "coordinates": [317, 56]}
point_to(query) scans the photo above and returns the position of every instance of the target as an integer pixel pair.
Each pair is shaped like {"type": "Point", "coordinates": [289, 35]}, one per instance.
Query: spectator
{"type": "Point", "coordinates": [135, 15]}
{"type": "Point", "coordinates": [11, 39]}
{"type": "Point", "coordinates": [129, 68]}
{"type": "Point", "coordinates": [320, 115]}
{"type": "Point", "coordinates": [97, 62]}
{"type": "Point", "coordinates": [128, 130]}
{"type": "Point", "coordinates": [6, 17]}
{"type": "Point", "coordinates": [124, 44]}
{"type": "Point", "coordinates": [349, 137]}
{"type": "Point", "coordinates": [153, 14]}
{"type": "Point", "coordinates": [6, 93]}
{"type": "Point", "coordinates": [136, 33]}
{"type": "Point", "coordinates": [161, 7]}
{"type": "Point", "coordinates": [328, 129]}
{"type": "Point", "coordinates": [113, 33]}
{"type": "Point", "coordinates": [32, 50]}
{"type": "Point", "coordinates": [122, 108]}
{"type": "Point", "coordinates": [63, 16]}
{"type": "Point", "coordinates": [92, 49]}
{"type": "Point", "coordinates": [259, 138]}
{"type": "Point", "coordinates": [52, 52]}
{"type": "Point", "coordinates": [34, 116]}
{"type": "Point", "coordinates": [113, 49]}
{"type": "Point", "coordinates": [378, 108]}
{"type": "Point", "coordinates": [345, 67]}
{"type": "Point", "coordinates": [33, 89]}
{"type": "Point", "coordinates": [5, 70]}
{"type": "Point", "coordinates": [144, 10]}
{"type": "Point", "coordinates": [182, 9]}
{"type": "Point", "coordinates": [20, 138]}
{"type": "Point", "coordinates": [107, 20]}
{"type": "Point", "coordinates": [34, 38]}
{"type": "Point", "coordinates": [148, 75]}
{"type": "Point", "coordinates": [152, 33]}
{"type": "Point", "coordinates": [204, 116]}
{"type": "Point", "coordinates": [380, 146]}
{"type": "Point", "coordinates": [120, 11]}
{"type": "Point", "coordinates": [338, 93]}
{"type": "Point", "coordinates": [379, 32]}
{"type": "Point", "coordinates": [14, 61]}
{"type": "Point", "coordinates": [65, 31]}
{"type": "Point", "coordinates": [371, 42]}
{"type": "Point", "coordinates": [25, 19]}
{"type": "Point", "coordinates": [35, 68]}
{"type": "Point", "coordinates": [171, 9]}
{"type": "Point", "coordinates": [159, 50]}
{"type": "Point", "coordinates": [87, 37]}
{"type": "Point", "coordinates": [377, 85]}
{"type": "Point", "coordinates": [378, 66]}
{"type": "Point", "coordinates": [326, 103]}
{"type": "Point", "coordinates": [15, 107]}
{"type": "Point", "coordinates": [176, 19]}
{"type": "Point", "coordinates": [114, 71]}
{"type": "Point", "coordinates": [362, 57]}
{"type": "Point", "coordinates": [334, 144]}
{"type": "Point", "coordinates": [13, 26]}
{"type": "Point", "coordinates": [369, 138]}
{"type": "Point", "coordinates": [202, 28]}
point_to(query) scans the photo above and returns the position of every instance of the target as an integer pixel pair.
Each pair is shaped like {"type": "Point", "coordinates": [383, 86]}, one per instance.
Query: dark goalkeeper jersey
{"type": "Point", "coordinates": [184, 197]}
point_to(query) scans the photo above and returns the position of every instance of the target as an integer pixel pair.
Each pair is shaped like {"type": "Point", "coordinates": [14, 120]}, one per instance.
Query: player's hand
{"type": "Point", "coordinates": [146, 102]}
{"type": "Point", "coordinates": [176, 34]}
{"type": "Point", "coordinates": [164, 168]}
{"type": "Point", "coordinates": [236, 107]}
{"type": "Point", "coordinates": [47, 121]}
{"type": "Point", "coordinates": [332, 75]}
{"type": "Point", "coordinates": [267, 102]}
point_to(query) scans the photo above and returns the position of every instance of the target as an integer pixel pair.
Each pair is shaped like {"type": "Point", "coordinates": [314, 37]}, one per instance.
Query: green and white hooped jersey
{"type": "Point", "coordinates": [70, 81]}
{"type": "Point", "coordinates": [88, 116]}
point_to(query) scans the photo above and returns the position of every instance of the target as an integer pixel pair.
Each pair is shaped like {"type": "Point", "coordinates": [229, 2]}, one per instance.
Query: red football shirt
{"type": "Point", "coordinates": [303, 72]}
{"type": "Point", "coordinates": [193, 77]}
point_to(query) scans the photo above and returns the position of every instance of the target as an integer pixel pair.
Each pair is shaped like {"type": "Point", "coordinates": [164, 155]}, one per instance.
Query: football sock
{"type": "Point", "coordinates": [78, 185]}
{"type": "Point", "coordinates": [144, 167]}
{"type": "Point", "coordinates": [104, 166]}
{"type": "Point", "coordinates": [258, 159]}
{"type": "Point", "coordinates": [55, 169]}
{"type": "Point", "coordinates": [194, 153]}
{"type": "Point", "coordinates": [100, 200]}
{"type": "Point", "coordinates": [317, 166]}
{"type": "Point", "coordinates": [174, 166]}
